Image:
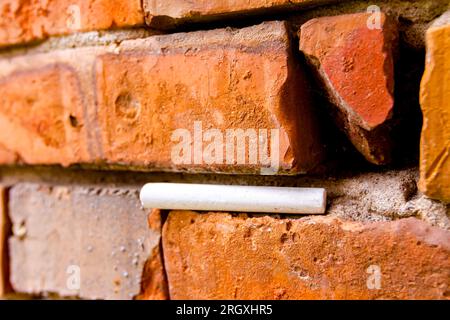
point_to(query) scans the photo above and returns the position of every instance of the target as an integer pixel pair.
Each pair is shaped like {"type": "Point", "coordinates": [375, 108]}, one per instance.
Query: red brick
{"type": "Point", "coordinates": [356, 65]}
{"type": "Point", "coordinates": [103, 231]}
{"type": "Point", "coordinates": [41, 112]}
{"type": "Point", "coordinates": [167, 13]}
{"type": "Point", "coordinates": [435, 102]}
{"type": "Point", "coordinates": [224, 256]}
{"type": "Point", "coordinates": [29, 20]}
{"type": "Point", "coordinates": [227, 79]}
{"type": "Point", "coordinates": [145, 89]}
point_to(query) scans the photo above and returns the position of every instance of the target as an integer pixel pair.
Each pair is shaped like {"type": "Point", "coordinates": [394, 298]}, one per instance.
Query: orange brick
{"type": "Point", "coordinates": [41, 112]}
{"type": "Point", "coordinates": [29, 20]}
{"type": "Point", "coordinates": [226, 79]}
{"type": "Point", "coordinates": [120, 105]}
{"type": "Point", "coordinates": [435, 102]}
{"type": "Point", "coordinates": [167, 13]}
{"type": "Point", "coordinates": [224, 256]}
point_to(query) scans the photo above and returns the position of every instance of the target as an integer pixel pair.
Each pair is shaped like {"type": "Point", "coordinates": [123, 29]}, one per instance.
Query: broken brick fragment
{"type": "Point", "coordinates": [355, 63]}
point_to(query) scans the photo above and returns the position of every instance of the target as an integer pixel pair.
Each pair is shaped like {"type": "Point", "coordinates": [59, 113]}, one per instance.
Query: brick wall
{"type": "Point", "coordinates": [98, 98]}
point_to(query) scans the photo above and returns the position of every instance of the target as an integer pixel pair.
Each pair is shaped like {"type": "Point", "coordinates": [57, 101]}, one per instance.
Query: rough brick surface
{"type": "Point", "coordinates": [58, 102]}
{"type": "Point", "coordinates": [225, 79]}
{"type": "Point", "coordinates": [39, 111]}
{"type": "Point", "coordinates": [122, 104]}
{"type": "Point", "coordinates": [435, 102]}
{"type": "Point", "coordinates": [104, 232]}
{"type": "Point", "coordinates": [29, 20]}
{"type": "Point", "coordinates": [223, 256]}
{"type": "Point", "coordinates": [356, 65]}
{"type": "Point", "coordinates": [167, 13]}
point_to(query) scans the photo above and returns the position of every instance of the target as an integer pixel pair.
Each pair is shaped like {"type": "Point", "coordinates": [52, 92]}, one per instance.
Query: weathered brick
{"type": "Point", "coordinates": [4, 232]}
{"type": "Point", "coordinates": [168, 13]}
{"type": "Point", "coordinates": [120, 105]}
{"type": "Point", "coordinates": [47, 103]}
{"type": "Point", "coordinates": [356, 66]}
{"type": "Point", "coordinates": [241, 79]}
{"type": "Point", "coordinates": [224, 256]}
{"type": "Point", "coordinates": [103, 232]}
{"type": "Point", "coordinates": [29, 20]}
{"type": "Point", "coordinates": [39, 111]}
{"type": "Point", "coordinates": [435, 102]}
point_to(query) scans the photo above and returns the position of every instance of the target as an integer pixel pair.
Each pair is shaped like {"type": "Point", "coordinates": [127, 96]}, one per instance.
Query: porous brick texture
{"type": "Point", "coordinates": [211, 77]}
{"type": "Point", "coordinates": [144, 90]}
{"type": "Point", "coordinates": [224, 256]}
{"type": "Point", "coordinates": [40, 109]}
{"type": "Point", "coordinates": [98, 98]}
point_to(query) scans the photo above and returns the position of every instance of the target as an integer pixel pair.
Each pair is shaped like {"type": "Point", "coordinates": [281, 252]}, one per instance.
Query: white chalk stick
{"type": "Point", "coordinates": [202, 197]}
